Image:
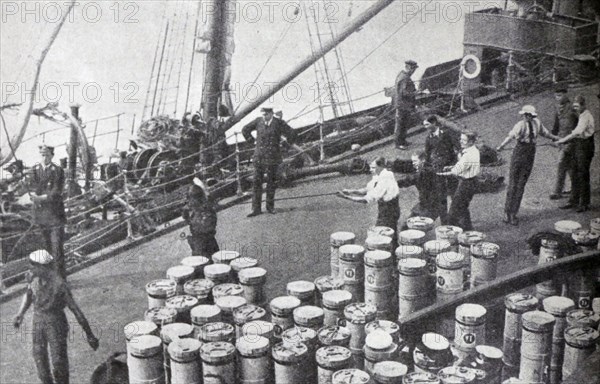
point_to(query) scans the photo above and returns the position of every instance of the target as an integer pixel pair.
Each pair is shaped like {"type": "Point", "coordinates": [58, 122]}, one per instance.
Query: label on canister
{"type": "Point", "coordinates": [420, 223]}
{"type": "Point", "coordinates": [449, 272]}
{"type": "Point", "coordinates": [379, 269]}
{"type": "Point", "coordinates": [351, 268]}
{"type": "Point", "coordinates": [224, 257]}
{"type": "Point", "coordinates": [350, 376]}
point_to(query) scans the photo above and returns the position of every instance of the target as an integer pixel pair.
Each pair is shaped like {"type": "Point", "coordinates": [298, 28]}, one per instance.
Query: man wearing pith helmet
{"type": "Point", "coordinates": [49, 294]}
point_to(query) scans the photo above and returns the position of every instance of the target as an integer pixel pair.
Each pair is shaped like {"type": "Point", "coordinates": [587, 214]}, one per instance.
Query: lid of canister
{"type": "Point", "coordinates": [227, 289]}
{"type": "Point", "coordinates": [583, 318]}
{"type": "Point", "coordinates": [471, 237]}
{"type": "Point", "coordinates": [252, 345]}
{"type": "Point", "coordinates": [258, 327]}
{"type": "Point", "coordinates": [216, 271]}
{"type": "Point", "coordinates": [450, 260]}
{"type": "Point", "coordinates": [385, 325]}
{"type": "Point", "coordinates": [420, 378]}
{"type": "Point", "coordinates": [595, 224]}
{"type": "Point", "coordinates": [248, 312]}
{"type": "Point", "coordinates": [379, 339]}
{"type": "Point", "coordinates": [380, 230]}
{"type": "Point", "coordinates": [308, 314]}
{"type": "Point", "coordinates": [411, 236]}
{"type": "Point", "coordinates": [298, 334]}
{"type": "Point", "coordinates": [538, 321]}
{"type": "Point", "coordinates": [586, 237]}
{"type": "Point", "coordinates": [485, 250]}
{"type": "Point", "coordinates": [558, 305]}
{"type": "Point", "coordinates": [489, 353]}
{"type": "Point", "coordinates": [204, 313]}
{"type": "Point", "coordinates": [378, 258]}
{"type": "Point", "coordinates": [195, 262]}
{"type": "Point", "coordinates": [198, 287]}
{"type": "Point", "coordinates": [582, 337]}
{"type": "Point", "coordinates": [405, 251]}
{"type": "Point", "coordinates": [185, 349]}
{"type": "Point", "coordinates": [378, 242]}
{"type": "Point", "coordinates": [243, 262]}
{"type": "Point", "coordinates": [434, 247]}
{"type": "Point", "coordinates": [289, 353]}
{"type": "Point", "coordinates": [301, 289]}
{"type": "Point", "coordinates": [520, 302]}
{"type": "Point", "coordinates": [471, 313]}
{"type": "Point", "coordinates": [180, 273]}
{"type": "Point", "coordinates": [181, 302]}
{"type": "Point", "coordinates": [161, 287]}
{"type": "Point", "coordinates": [411, 266]}
{"type": "Point", "coordinates": [224, 257]}
{"type": "Point", "coordinates": [216, 331]}
{"type": "Point", "coordinates": [145, 345]}
{"type": "Point", "coordinates": [389, 371]}
{"type": "Point", "coordinates": [328, 283]}
{"type": "Point", "coordinates": [160, 315]}
{"type": "Point", "coordinates": [333, 357]}
{"type": "Point", "coordinates": [217, 352]}
{"type": "Point", "coordinates": [139, 328]}
{"type": "Point", "coordinates": [284, 305]}
{"type": "Point", "coordinates": [435, 341]}
{"type": "Point", "coordinates": [421, 223]}
{"type": "Point", "coordinates": [456, 375]}
{"type": "Point", "coordinates": [448, 232]}
{"type": "Point", "coordinates": [352, 252]}
{"type": "Point", "coordinates": [229, 303]}
{"type": "Point", "coordinates": [350, 376]}
{"type": "Point", "coordinates": [254, 275]}
{"type": "Point", "coordinates": [337, 239]}
{"type": "Point", "coordinates": [566, 226]}
{"type": "Point", "coordinates": [333, 334]}
{"type": "Point", "coordinates": [360, 312]}
{"type": "Point", "coordinates": [336, 298]}
{"type": "Point", "coordinates": [175, 331]}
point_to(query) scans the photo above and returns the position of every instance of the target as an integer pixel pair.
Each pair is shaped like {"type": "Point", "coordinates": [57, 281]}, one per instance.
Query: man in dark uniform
{"type": "Point", "coordinates": [47, 182]}
{"type": "Point", "coordinates": [201, 215]}
{"type": "Point", "coordinates": [190, 141]}
{"type": "Point", "coordinates": [267, 155]}
{"type": "Point", "coordinates": [49, 294]}
{"type": "Point", "coordinates": [565, 120]}
{"type": "Point", "coordinates": [404, 102]}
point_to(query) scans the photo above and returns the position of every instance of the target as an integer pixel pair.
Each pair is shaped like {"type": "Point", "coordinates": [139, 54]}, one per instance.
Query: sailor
{"type": "Point", "coordinates": [267, 156]}
{"type": "Point", "coordinates": [47, 182]}
{"type": "Point", "coordinates": [582, 138]}
{"type": "Point", "coordinates": [191, 141]}
{"type": "Point", "coordinates": [565, 120]}
{"type": "Point", "coordinates": [201, 215]}
{"type": "Point", "coordinates": [466, 170]}
{"type": "Point", "coordinates": [525, 132]}
{"type": "Point", "coordinates": [404, 102]}
{"type": "Point", "coordinates": [49, 294]}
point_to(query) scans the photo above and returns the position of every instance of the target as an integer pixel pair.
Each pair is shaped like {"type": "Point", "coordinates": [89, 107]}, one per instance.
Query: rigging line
{"type": "Point", "coordinates": [185, 27]}
{"type": "Point", "coordinates": [159, 67]}
{"type": "Point", "coordinates": [174, 49]}
{"type": "Point", "coordinates": [153, 66]}
{"type": "Point", "coordinates": [169, 49]}
{"type": "Point", "coordinates": [8, 137]}
{"type": "Point", "coordinates": [187, 95]}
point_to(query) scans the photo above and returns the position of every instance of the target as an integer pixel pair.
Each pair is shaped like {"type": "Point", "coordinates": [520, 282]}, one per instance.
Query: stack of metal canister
{"type": "Point", "coordinates": [209, 320]}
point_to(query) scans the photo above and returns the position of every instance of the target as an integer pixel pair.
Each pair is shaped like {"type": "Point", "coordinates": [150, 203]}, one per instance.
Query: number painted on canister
{"type": "Point", "coordinates": [441, 281]}
{"type": "Point", "coordinates": [469, 338]}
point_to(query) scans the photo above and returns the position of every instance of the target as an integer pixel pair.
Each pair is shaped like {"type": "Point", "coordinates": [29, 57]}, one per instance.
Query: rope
{"type": "Point", "coordinates": [297, 197]}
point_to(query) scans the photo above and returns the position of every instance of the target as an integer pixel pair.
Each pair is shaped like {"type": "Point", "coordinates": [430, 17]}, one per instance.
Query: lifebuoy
{"type": "Point", "coordinates": [463, 65]}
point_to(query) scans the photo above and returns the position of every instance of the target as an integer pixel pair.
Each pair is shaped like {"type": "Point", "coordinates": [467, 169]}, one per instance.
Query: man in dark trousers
{"type": "Point", "coordinates": [47, 182]}
{"type": "Point", "coordinates": [404, 102]}
{"type": "Point", "coordinates": [49, 294]}
{"type": "Point", "coordinates": [565, 120]}
{"type": "Point", "coordinates": [201, 215]}
{"type": "Point", "coordinates": [267, 155]}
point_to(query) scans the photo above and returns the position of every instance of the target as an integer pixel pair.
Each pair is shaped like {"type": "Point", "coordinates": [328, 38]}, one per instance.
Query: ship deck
{"type": "Point", "coordinates": [294, 243]}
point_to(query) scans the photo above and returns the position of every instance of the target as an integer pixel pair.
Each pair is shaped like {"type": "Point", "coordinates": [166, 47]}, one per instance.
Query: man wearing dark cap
{"type": "Point", "coordinates": [47, 183]}
{"type": "Point", "coordinates": [404, 102]}
{"type": "Point", "coordinates": [267, 155]}
{"type": "Point", "coordinates": [565, 120]}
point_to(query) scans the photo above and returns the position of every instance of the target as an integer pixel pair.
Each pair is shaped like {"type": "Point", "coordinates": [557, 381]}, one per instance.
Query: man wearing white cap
{"type": "Point", "coordinates": [525, 132]}
{"type": "Point", "coordinates": [49, 294]}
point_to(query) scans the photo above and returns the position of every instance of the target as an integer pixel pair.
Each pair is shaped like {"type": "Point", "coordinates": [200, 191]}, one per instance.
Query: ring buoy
{"type": "Point", "coordinates": [464, 62]}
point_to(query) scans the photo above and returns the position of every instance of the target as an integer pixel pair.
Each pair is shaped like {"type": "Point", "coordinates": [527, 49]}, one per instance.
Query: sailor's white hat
{"type": "Point", "coordinates": [41, 256]}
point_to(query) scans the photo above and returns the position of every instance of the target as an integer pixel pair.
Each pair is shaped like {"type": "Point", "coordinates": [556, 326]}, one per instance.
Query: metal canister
{"type": "Point", "coordinates": [227, 289]}
{"type": "Point", "coordinates": [282, 313]}
{"type": "Point", "coordinates": [580, 344]}
{"type": "Point", "coordinates": [309, 316]}
{"type": "Point", "coordinates": [583, 318]}
{"type": "Point", "coordinates": [450, 272]}
{"type": "Point", "coordinates": [324, 284]}
{"type": "Point", "coordinates": [420, 378]}
{"type": "Point", "coordinates": [558, 307]}
{"type": "Point", "coordinates": [180, 274]}
{"type": "Point", "coordinates": [334, 335]}
{"type": "Point", "coordinates": [389, 372]}
{"type": "Point", "coordinates": [331, 359]}
{"type": "Point", "coordinates": [159, 290]}
{"type": "Point", "coordinates": [289, 363]}
{"type": "Point", "coordinates": [218, 363]}
{"type": "Point", "coordinates": [245, 314]}
{"type": "Point", "coordinates": [334, 302]}
{"type": "Point", "coordinates": [350, 376]}
{"type": "Point", "coordinates": [484, 263]}
{"type": "Point", "coordinates": [379, 346]}
{"type": "Point", "coordinates": [160, 315]}
{"type": "Point", "coordinates": [488, 364]}
{"type": "Point", "coordinates": [357, 316]}
{"type": "Point", "coordinates": [218, 273]}
{"type": "Point", "coordinates": [432, 353]}
{"type": "Point", "coordinates": [409, 251]}
{"type": "Point", "coordinates": [253, 281]}
{"type": "Point", "coordinates": [516, 305]}
{"type": "Point", "coordinates": [241, 263]}
{"type": "Point", "coordinates": [204, 314]}
{"type": "Point", "coordinates": [415, 288]}
{"type": "Point", "coordinates": [411, 237]}
{"type": "Point", "coordinates": [379, 283]}
{"type": "Point", "coordinates": [432, 249]}
{"type": "Point", "coordinates": [588, 241]}
{"type": "Point", "coordinates": [145, 360]}
{"type": "Point", "coordinates": [201, 289]}
{"type": "Point", "coordinates": [566, 227]}
{"type": "Point", "coordinates": [218, 331]}
{"type": "Point", "coordinates": [228, 304]}
{"type": "Point", "coordinates": [139, 328]}
{"type": "Point", "coordinates": [198, 263]}
{"type": "Point", "coordinates": [581, 287]}
{"type": "Point", "coordinates": [307, 337]}
{"type": "Point", "coordinates": [457, 375]}
{"type": "Point", "coordinates": [470, 327]}
{"type": "Point", "coordinates": [254, 364]}
{"type": "Point", "coordinates": [224, 257]}
{"type": "Point", "coordinates": [303, 290]}
{"type": "Point", "coordinates": [536, 346]}
{"type": "Point", "coordinates": [259, 328]}
{"type": "Point", "coordinates": [183, 304]}
{"type": "Point", "coordinates": [378, 242]}
{"type": "Point", "coordinates": [467, 239]}
{"type": "Point", "coordinates": [352, 269]}
{"type": "Point", "coordinates": [420, 223]}
{"type": "Point", "coordinates": [186, 367]}
{"type": "Point", "coordinates": [168, 334]}
{"type": "Point", "coordinates": [549, 251]}
{"type": "Point", "coordinates": [336, 240]}
{"type": "Point", "coordinates": [449, 233]}
{"type": "Point", "coordinates": [389, 327]}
